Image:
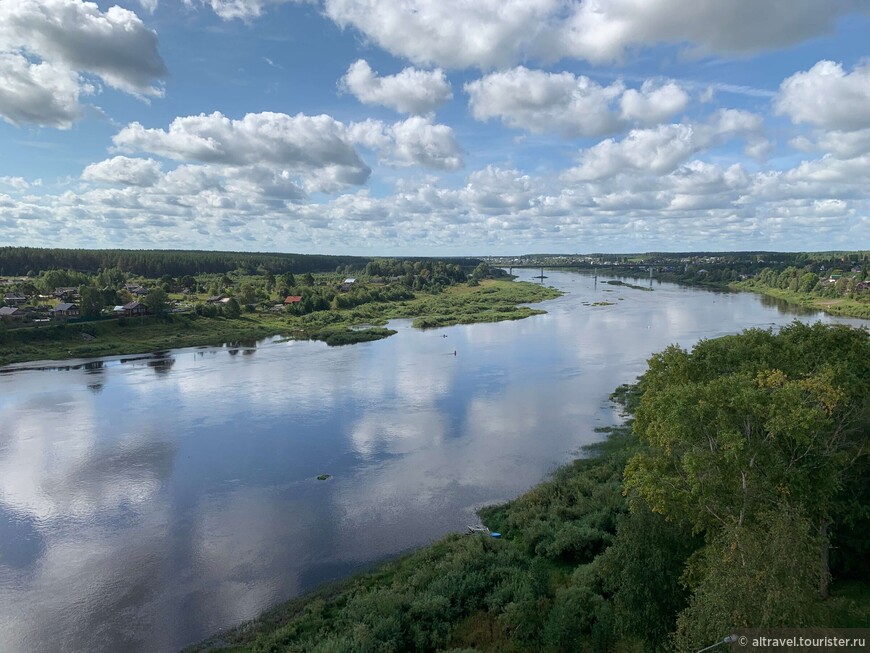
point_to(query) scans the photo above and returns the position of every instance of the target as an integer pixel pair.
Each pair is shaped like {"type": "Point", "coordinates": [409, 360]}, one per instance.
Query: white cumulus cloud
{"type": "Point", "coordinates": [300, 143]}
{"type": "Point", "coordinates": [415, 141]}
{"type": "Point", "coordinates": [276, 154]}
{"type": "Point", "coordinates": [124, 171]}
{"type": "Point", "coordinates": [48, 47]}
{"type": "Point", "coordinates": [409, 91]}
{"type": "Point", "coordinates": [114, 45]}
{"type": "Point", "coordinates": [835, 105]}
{"type": "Point", "coordinates": [38, 93]}
{"type": "Point", "coordinates": [499, 33]}
{"type": "Point", "coordinates": [827, 96]}
{"type": "Point", "coordinates": [661, 149]}
{"type": "Point", "coordinates": [653, 102]}
{"type": "Point", "coordinates": [573, 105]}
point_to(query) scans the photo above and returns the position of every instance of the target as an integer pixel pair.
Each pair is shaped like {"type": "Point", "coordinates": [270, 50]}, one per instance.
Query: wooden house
{"type": "Point", "coordinates": [12, 313]}
{"type": "Point", "coordinates": [66, 310]}
{"type": "Point", "coordinates": [135, 309]}
{"type": "Point", "coordinates": [14, 299]}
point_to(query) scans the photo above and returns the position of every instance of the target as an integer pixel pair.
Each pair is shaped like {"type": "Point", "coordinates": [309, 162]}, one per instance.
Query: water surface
{"type": "Point", "coordinates": [147, 502]}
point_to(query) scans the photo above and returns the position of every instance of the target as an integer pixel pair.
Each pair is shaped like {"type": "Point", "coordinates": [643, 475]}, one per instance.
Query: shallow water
{"type": "Point", "coordinates": [148, 502]}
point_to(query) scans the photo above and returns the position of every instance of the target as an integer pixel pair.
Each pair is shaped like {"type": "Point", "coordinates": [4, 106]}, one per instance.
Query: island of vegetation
{"type": "Point", "coordinates": [834, 282]}
{"type": "Point", "coordinates": [619, 282]}
{"type": "Point", "coordinates": [136, 302]}
{"type": "Point", "coordinates": [736, 495]}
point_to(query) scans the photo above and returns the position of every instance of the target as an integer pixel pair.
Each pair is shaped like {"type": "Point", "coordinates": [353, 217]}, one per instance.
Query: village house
{"type": "Point", "coordinates": [134, 309]}
{"type": "Point", "coordinates": [292, 299]}
{"type": "Point", "coordinates": [14, 299]}
{"type": "Point", "coordinates": [348, 284]}
{"type": "Point", "coordinates": [66, 294]}
{"type": "Point", "coordinates": [11, 313]}
{"type": "Point", "coordinates": [66, 310]}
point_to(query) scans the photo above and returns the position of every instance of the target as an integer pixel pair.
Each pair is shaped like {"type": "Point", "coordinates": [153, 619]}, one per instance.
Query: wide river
{"type": "Point", "coordinates": [148, 502]}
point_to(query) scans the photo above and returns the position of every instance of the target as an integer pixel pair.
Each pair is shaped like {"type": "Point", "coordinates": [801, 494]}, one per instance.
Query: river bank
{"type": "Point", "coordinates": [461, 592]}
{"type": "Point", "coordinates": [491, 301]}
{"type": "Point", "coordinates": [843, 307]}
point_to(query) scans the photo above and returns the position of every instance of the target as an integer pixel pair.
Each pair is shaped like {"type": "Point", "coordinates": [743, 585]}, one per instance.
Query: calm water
{"type": "Point", "coordinates": [148, 503]}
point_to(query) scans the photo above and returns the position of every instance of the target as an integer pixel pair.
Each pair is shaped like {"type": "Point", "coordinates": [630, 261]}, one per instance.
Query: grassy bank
{"type": "Point", "coordinates": [839, 306]}
{"type": "Point", "coordinates": [491, 301]}
{"type": "Point", "coordinates": [131, 336]}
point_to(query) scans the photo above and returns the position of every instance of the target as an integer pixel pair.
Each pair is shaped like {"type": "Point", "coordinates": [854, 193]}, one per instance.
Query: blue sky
{"type": "Point", "coordinates": [456, 127]}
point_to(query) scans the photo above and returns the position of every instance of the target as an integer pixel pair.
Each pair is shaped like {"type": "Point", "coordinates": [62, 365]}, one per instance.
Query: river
{"type": "Point", "coordinates": [148, 502]}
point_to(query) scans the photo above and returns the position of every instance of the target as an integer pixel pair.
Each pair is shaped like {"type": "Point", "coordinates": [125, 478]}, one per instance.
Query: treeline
{"type": "Point", "coordinates": [325, 298]}
{"type": "Point", "coordinates": [20, 261]}
{"type": "Point", "coordinates": [737, 495]}
{"type": "Point", "coordinates": [430, 271]}
{"type": "Point", "coordinates": [153, 263]}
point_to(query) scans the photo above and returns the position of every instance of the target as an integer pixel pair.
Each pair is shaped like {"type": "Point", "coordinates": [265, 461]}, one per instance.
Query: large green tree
{"type": "Point", "coordinates": [643, 570]}
{"type": "Point", "coordinates": [232, 309]}
{"type": "Point", "coordinates": [763, 575]}
{"type": "Point", "coordinates": [91, 303]}
{"type": "Point", "coordinates": [157, 302]}
{"type": "Point", "coordinates": [750, 424]}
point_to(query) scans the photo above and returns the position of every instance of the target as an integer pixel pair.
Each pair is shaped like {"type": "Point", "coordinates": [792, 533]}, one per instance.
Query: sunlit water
{"type": "Point", "coordinates": [148, 503]}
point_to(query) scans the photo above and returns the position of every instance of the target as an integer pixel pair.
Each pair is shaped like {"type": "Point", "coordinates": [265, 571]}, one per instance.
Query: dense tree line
{"type": "Point", "coordinates": [429, 271]}
{"type": "Point", "coordinates": [20, 261]}
{"type": "Point", "coordinates": [324, 298]}
{"type": "Point", "coordinates": [733, 498]}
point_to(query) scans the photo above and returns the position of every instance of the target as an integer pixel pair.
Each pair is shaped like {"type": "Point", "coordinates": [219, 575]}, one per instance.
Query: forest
{"type": "Point", "coordinates": [29, 261]}
{"type": "Point", "coordinates": [734, 496]}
